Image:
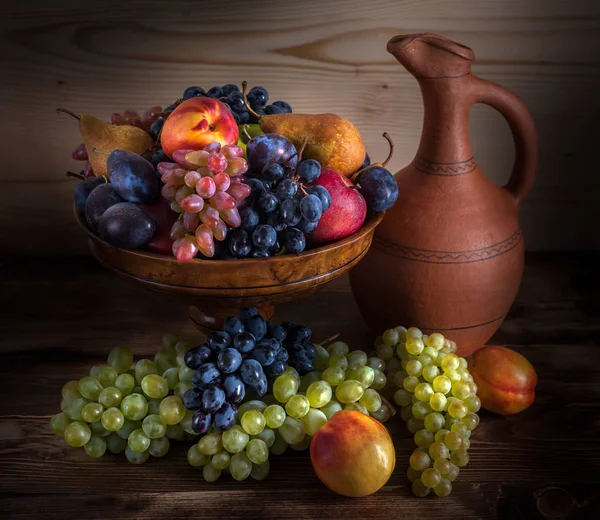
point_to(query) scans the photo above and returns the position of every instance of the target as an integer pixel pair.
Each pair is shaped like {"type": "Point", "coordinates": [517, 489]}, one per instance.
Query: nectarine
{"type": "Point", "coordinates": [353, 454]}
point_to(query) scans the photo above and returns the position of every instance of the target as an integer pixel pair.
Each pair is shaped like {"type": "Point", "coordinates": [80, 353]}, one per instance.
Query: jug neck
{"type": "Point", "coordinates": [445, 136]}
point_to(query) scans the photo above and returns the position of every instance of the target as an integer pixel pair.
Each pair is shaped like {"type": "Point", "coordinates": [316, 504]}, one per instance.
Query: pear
{"type": "Point", "coordinates": [100, 135]}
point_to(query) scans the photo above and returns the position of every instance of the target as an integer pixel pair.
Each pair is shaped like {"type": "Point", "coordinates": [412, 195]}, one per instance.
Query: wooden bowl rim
{"type": "Point", "coordinates": [368, 226]}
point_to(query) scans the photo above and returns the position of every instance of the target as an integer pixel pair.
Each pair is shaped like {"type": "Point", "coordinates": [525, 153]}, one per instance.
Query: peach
{"type": "Point", "coordinates": [353, 454]}
{"type": "Point", "coordinates": [505, 379]}
{"type": "Point", "coordinates": [197, 122]}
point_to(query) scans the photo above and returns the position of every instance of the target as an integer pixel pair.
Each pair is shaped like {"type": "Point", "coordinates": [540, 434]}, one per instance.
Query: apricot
{"type": "Point", "coordinates": [505, 379]}
{"type": "Point", "coordinates": [353, 454]}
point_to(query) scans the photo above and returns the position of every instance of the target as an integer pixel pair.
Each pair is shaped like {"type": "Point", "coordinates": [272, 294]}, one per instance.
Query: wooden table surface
{"type": "Point", "coordinates": [60, 317]}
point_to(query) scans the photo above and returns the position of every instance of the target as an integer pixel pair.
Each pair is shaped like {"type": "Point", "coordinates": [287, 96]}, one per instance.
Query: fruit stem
{"type": "Point", "coordinates": [329, 339]}
{"type": "Point", "coordinates": [248, 107]}
{"type": "Point", "coordinates": [95, 150]}
{"type": "Point", "coordinates": [389, 140]}
{"type": "Point", "coordinates": [245, 130]}
{"type": "Point", "coordinates": [73, 114]}
{"type": "Point", "coordinates": [390, 405]}
{"type": "Point", "coordinates": [74, 175]}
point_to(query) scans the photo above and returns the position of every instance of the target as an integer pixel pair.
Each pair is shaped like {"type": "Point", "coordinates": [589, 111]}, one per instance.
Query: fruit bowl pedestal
{"type": "Point", "coordinates": [215, 289]}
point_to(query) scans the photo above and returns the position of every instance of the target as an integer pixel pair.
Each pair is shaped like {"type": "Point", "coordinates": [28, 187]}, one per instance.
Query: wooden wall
{"type": "Point", "coordinates": [320, 55]}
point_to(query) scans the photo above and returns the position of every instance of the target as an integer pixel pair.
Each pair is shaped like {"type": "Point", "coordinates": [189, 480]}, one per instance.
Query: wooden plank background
{"type": "Point", "coordinates": [101, 57]}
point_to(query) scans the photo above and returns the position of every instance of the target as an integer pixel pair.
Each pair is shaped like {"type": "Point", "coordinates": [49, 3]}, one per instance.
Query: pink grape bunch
{"type": "Point", "coordinates": [205, 187]}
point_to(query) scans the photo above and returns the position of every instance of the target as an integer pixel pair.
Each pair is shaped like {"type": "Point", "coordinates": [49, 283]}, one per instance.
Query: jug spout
{"type": "Point", "coordinates": [430, 56]}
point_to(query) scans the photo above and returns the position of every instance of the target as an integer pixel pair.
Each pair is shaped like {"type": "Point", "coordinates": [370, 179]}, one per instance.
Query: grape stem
{"type": "Point", "coordinates": [95, 150]}
{"type": "Point", "coordinates": [74, 175]}
{"type": "Point", "coordinates": [329, 339]}
{"type": "Point", "coordinates": [65, 111]}
{"type": "Point", "coordinates": [389, 405]}
{"type": "Point", "coordinates": [247, 105]}
{"type": "Point", "coordinates": [245, 130]}
{"type": "Point", "coordinates": [382, 164]}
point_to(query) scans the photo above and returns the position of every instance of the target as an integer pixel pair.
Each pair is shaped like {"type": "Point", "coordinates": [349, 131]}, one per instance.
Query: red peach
{"type": "Point", "coordinates": [353, 454]}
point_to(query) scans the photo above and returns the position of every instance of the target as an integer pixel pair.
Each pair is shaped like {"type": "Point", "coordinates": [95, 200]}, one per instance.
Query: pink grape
{"type": "Point", "coordinates": [168, 192]}
{"type": "Point", "coordinates": [222, 200]}
{"type": "Point", "coordinates": [213, 147]}
{"type": "Point", "coordinates": [176, 207]}
{"type": "Point", "coordinates": [222, 181]}
{"type": "Point", "coordinates": [237, 178]}
{"type": "Point", "coordinates": [191, 178]}
{"type": "Point", "coordinates": [198, 157]}
{"type": "Point", "coordinates": [175, 177]}
{"type": "Point", "coordinates": [182, 193]}
{"type": "Point", "coordinates": [232, 217]}
{"type": "Point", "coordinates": [187, 249]}
{"type": "Point", "coordinates": [164, 167]}
{"type": "Point", "coordinates": [204, 237]}
{"type": "Point", "coordinates": [191, 221]}
{"type": "Point", "coordinates": [179, 157]}
{"type": "Point", "coordinates": [175, 246]}
{"type": "Point", "coordinates": [206, 187]}
{"type": "Point", "coordinates": [204, 172]}
{"type": "Point", "coordinates": [217, 162]}
{"type": "Point", "coordinates": [177, 230]}
{"type": "Point", "coordinates": [220, 231]}
{"type": "Point", "coordinates": [236, 166]}
{"type": "Point", "coordinates": [239, 191]}
{"type": "Point", "coordinates": [231, 150]}
{"type": "Point", "coordinates": [192, 203]}
{"type": "Point", "coordinates": [209, 216]}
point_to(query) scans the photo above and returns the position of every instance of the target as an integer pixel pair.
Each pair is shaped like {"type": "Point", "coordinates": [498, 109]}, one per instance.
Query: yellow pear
{"type": "Point", "coordinates": [106, 137]}
{"type": "Point", "coordinates": [330, 139]}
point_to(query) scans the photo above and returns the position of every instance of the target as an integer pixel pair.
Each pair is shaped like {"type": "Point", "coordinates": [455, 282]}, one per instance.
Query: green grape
{"type": "Point", "coordinates": [424, 392]}
{"type": "Point", "coordinates": [460, 458]}
{"type": "Point", "coordinates": [255, 404]}
{"type": "Point", "coordinates": [452, 375]}
{"type": "Point", "coordinates": [175, 432]}
{"type": "Point", "coordinates": [443, 489]}
{"type": "Point", "coordinates": [112, 419]}
{"type": "Point", "coordinates": [470, 420]}
{"type": "Point", "coordinates": [440, 435]}
{"type": "Point", "coordinates": [154, 427]}
{"type": "Point", "coordinates": [443, 466]}
{"type": "Point", "coordinates": [115, 444]}
{"type": "Point", "coordinates": [292, 430]}
{"type": "Point", "coordinates": [154, 406]}
{"type": "Point", "coordinates": [349, 391]}
{"type": "Point", "coordinates": [181, 346]}
{"type": "Point", "coordinates": [64, 404]}
{"type": "Point", "coordinates": [391, 337]}
{"type": "Point", "coordinates": [457, 409]}
{"type": "Point", "coordinates": [154, 386]}
{"type": "Point", "coordinates": [267, 436]}
{"type": "Point", "coordinates": [425, 360]}
{"type": "Point", "coordinates": [171, 410]}
{"type": "Point", "coordinates": [128, 427]}
{"type": "Point", "coordinates": [385, 351]}
{"type": "Point", "coordinates": [371, 400]}
{"type": "Point", "coordinates": [414, 332]}
{"type": "Point", "coordinates": [186, 374]}
{"type": "Point", "coordinates": [423, 438]}
{"type": "Point", "coordinates": [364, 375]}
{"type": "Point", "coordinates": [110, 396]}
{"type": "Point", "coordinates": [410, 383]}
{"type": "Point", "coordinates": [134, 407]}
{"type": "Point", "coordinates": [95, 370]}
{"type": "Point", "coordinates": [274, 416]}
{"type": "Point", "coordinates": [302, 445]}
{"type": "Point", "coordinates": [58, 423]}
{"type": "Point", "coordinates": [383, 414]}
{"type": "Point", "coordinates": [330, 408]}
{"type": "Point", "coordinates": [376, 363]}
{"type": "Point", "coordinates": [439, 450]}
{"type": "Point", "coordinates": [420, 410]}
{"type": "Point", "coordinates": [319, 394]}
{"type": "Point", "coordinates": [182, 387]}
{"type": "Point", "coordinates": [414, 368]}
{"type": "Point", "coordinates": [356, 358]}
{"type": "Point", "coordinates": [431, 477]}
{"type": "Point", "coordinates": [210, 474]}
{"type": "Point", "coordinates": [321, 360]}
{"type": "Point", "coordinates": [356, 407]}
{"type": "Point", "coordinates": [438, 402]}
{"type": "Point", "coordinates": [414, 425]}
{"type": "Point", "coordinates": [393, 365]}
{"type": "Point", "coordinates": [138, 440]}
{"type": "Point", "coordinates": [171, 376]}
{"type": "Point", "coordinates": [442, 384]}
{"type": "Point", "coordinates": [450, 362]}
{"type": "Point", "coordinates": [312, 421]}
{"type": "Point", "coordinates": [419, 489]}
{"type": "Point", "coordinates": [414, 399]}
{"type": "Point", "coordinates": [454, 471]}
{"type": "Point", "coordinates": [284, 387]}
{"type": "Point", "coordinates": [460, 428]}
{"type": "Point", "coordinates": [292, 371]}
{"type": "Point", "coordinates": [466, 443]}
{"type": "Point", "coordinates": [412, 474]}
{"type": "Point", "coordinates": [473, 403]}
{"type": "Point", "coordinates": [434, 421]}
{"type": "Point", "coordinates": [211, 443]}
{"type": "Point", "coordinates": [449, 421]}
{"type": "Point", "coordinates": [338, 348]}
{"type": "Point", "coordinates": [379, 380]}
{"type": "Point", "coordinates": [169, 340]}
{"type": "Point", "coordinates": [297, 406]}
{"type": "Point", "coordinates": [435, 340]}
{"type": "Point", "coordinates": [107, 376]}
{"type": "Point", "coordinates": [159, 447]}
{"type": "Point", "coordinates": [257, 451]}
{"type": "Point", "coordinates": [186, 423]}
{"type": "Point", "coordinates": [98, 430]}
{"type": "Point", "coordinates": [143, 368]}
{"type": "Point", "coordinates": [406, 412]}
{"type": "Point", "coordinates": [125, 383]}
{"type": "Point", "coordinates": [260, 471]}
{"type": "Point", "coordinates": [197, 459]}
{"type": "Point", "coordinates": [473, 387]}
{"type": "Point", "coordinates": [90, 388]}
{"type": "Point", "coordinates": [431, 352]}
{"type": "Point", "coordinates": [70, 390]}
{"type": "Point", "coordinates": [309, 379]}
{"type": "Point", "coordinates": [338, 361]}
{"type": "Point", "coordinates": [453, 441]}
{"type": "Point", "coordinates": [235, 439]}
{"type": "Point", "coordinates": [165, 358]}
{"type": "Point", "coordinates": [414, 346]}
{"type": "Point", "coordinates": [240, 466]}
{"type": "Point", "coordinates": [77, 434]}
{"type": "Point", "coordinates": [136, 457]}
{"type": "Point", "coordinates": [419, 460]}
{"type": "Point", "coordinates": [333, 376]}
{"type": "Point", "coordinates": [279, 446]}
{"type": "Point", "coordinates": [92, 412]}
{"type": "Point", "coordinates": [253, 422]}
{"type": "Point", "coordinates": [121, 359]}
{"type": "Point", "coordinates": [95, 447]}
{"type": "Point", "coordinates": [402, 397]}
{"type": "Point", "coordinates": [220, 460]}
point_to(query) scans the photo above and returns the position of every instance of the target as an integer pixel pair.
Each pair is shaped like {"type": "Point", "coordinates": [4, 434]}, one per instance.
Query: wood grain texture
{"type": "Point", "coordinates": [101, 57]}
{"type": "Point", "coordinates": [62, 316]}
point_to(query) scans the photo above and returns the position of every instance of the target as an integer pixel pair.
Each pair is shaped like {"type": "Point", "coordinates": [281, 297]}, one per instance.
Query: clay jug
{"type": "Point", "coordinates": [449, 255]}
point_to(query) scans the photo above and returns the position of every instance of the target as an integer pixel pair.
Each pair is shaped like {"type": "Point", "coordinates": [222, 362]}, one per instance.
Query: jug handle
{"type": "Point", "coordinates": [523, 130]}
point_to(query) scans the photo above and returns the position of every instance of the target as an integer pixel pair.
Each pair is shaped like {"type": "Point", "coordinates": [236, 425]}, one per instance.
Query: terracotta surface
{"type": "Point", "coordinates": [215, 289]}
{"type": "Point", "coordinates": [449, 255]}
